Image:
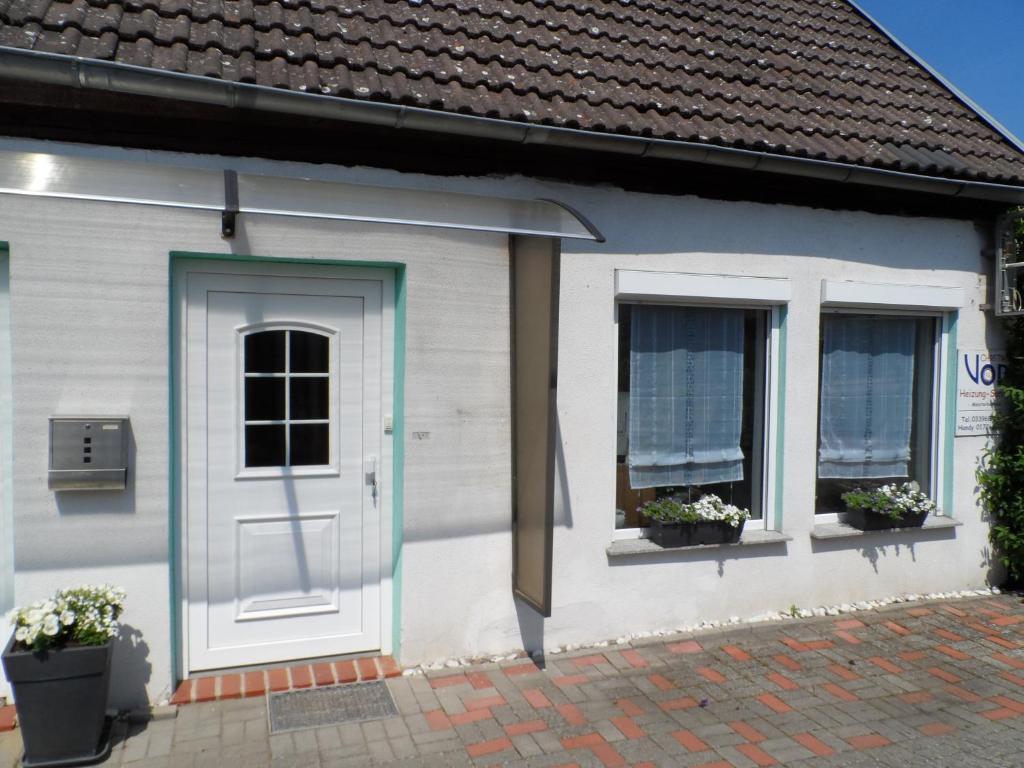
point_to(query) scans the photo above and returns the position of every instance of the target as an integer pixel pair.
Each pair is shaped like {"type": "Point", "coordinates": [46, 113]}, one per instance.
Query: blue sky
{"type": "Point", "coordinates": [975, 44]}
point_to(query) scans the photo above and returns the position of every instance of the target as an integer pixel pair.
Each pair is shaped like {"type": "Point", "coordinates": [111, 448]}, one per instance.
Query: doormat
{"type": "Point", "coordinates": [331, 705]}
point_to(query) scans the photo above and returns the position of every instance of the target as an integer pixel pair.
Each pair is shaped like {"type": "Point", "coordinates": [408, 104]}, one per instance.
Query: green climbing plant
{"type": "Point", "coordinates": [1001, 476]}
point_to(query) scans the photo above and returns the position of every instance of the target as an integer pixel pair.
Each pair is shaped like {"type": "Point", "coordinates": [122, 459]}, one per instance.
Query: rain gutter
{"type": "Point", "coordinates": [78, 72]}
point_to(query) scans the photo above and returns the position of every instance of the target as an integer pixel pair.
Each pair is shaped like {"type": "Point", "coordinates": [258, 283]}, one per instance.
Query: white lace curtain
{"type": "Point", "coordinates": [867, 387]}
{"type": "Point", "coordinates": [685, 396]}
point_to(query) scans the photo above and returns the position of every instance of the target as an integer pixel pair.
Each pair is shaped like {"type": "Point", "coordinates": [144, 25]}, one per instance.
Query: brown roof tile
{"type": "Point", "coordinates": [805, 78]}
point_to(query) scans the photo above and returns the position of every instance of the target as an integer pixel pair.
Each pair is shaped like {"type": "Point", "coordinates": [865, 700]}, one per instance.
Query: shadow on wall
{"type": "Point", "coordinates": [875, 547]}
{"type": "Point", "coordinates": [720, 555]}
{"type": "Point", "coordinates": [531, 631]}
{"type": "Point", "coordinates": [131, 671]}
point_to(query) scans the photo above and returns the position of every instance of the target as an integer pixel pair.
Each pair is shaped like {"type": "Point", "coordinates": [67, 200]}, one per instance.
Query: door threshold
{"type": "Point", "coordinates": [246, 682]}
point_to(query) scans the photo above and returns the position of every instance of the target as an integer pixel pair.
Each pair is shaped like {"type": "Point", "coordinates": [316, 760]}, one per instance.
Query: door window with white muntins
{"type": "Point", "coordinates": [286, 412]}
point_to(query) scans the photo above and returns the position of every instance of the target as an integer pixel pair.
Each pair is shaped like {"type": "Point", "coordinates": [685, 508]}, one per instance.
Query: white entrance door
{"type": "Point", "coordinates": [283, 425]}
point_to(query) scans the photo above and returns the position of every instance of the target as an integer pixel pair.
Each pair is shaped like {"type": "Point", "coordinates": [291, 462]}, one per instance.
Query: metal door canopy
{"type": "Point", "coordinates": [333, 705]}
{"type": "Point", "coordinates": [83, 178]}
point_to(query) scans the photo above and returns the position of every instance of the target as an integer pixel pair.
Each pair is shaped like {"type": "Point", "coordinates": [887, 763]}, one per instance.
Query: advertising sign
{"type": "Point", "coordinates": [978, 374]}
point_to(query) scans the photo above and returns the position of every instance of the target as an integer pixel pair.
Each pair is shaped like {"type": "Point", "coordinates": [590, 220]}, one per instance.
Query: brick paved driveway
{"type": "Point", "coordinates": [923, 684]}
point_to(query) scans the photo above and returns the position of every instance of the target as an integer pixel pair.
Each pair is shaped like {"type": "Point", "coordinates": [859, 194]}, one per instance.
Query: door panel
{"type": "Point", "coordinates": [283, 400]}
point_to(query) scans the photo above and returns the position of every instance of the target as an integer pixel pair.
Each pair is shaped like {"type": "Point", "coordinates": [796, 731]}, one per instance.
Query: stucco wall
{"type": "Point", "coordinates": [89, 308]}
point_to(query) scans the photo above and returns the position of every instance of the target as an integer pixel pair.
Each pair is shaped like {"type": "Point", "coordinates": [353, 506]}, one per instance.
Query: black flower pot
{"type": "Point", "coordinates": [716, 532]}
{"type": "Point", "coordinates": [61, 698]}
{"type": "Point", "coordinates": [670, 535]}
{"type": "Point", "coordinates": [865, 520]}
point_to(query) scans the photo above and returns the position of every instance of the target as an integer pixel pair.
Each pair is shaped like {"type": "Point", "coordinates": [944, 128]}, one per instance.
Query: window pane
{"type": "Point", "coordinates": [309, 398]}
{"type": "Point", "coordinates": [264, 446]}
{"type": "Point", "coordinates": [310, 444]}
{"type": "Point", "coordinates": [309, 353]}
{"type": "Point", "coordinates": [875, 407]}
{"type": "Point", "coordinates": [264, 399]}
{"type": "Point", "coordinates": [264, 352]}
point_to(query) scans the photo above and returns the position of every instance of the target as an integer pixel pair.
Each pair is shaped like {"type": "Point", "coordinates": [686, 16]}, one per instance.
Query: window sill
{"type": "Point", "coordinates": [629, 547]}
{"type": "Point", "coordinates": [844, 531]}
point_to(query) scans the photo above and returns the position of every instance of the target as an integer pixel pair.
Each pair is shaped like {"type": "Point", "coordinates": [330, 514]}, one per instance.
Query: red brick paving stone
{"type": "Point", "coordinates": [367, 669]}
{"type": "Point", "coordinates": [183, 694]}
{"type": "Point", "coordinates": [572, 714]}
{"type": "Point", "coordinates": [1015, 663]}
{"type": "Point", "coordinates": [839, 693]}
{"type": "Point", "coordinates": [444, 682]}
{"type": "Point", "coordinates": [869, 741]}
{"type": "Point", "coordinates": [629, 707]}
{"type": "Point", "coordinates": [471, 716]}
{"type": "Point", "coordinates": [688, 741]}
{"type": "Point", "coordinates": [1002, 713]}
{"type": "Point", "coordinates": [795, 644]}
{"type": "Point", "coordinates": [849, 624]}
{"type": "Point", "coordinates": [489, 747]}
{"type": "Point", "coordinates": [479, 680]}
{"type": "Point", "coordinates": [962, 693]}
{"type": "Point", "coordinates": [885, 664]}
{"type": "Point", "coordinates": [231, 687]}
{"type": "Point", "coordinates": [255, 684]}
{"type": "Point", "coordinates": [661, 683]}
{"type": "Point", "coordinates": [586, 741]}
{"type": "Point", "coordinates": [645, 765]}
{"type": "Point", "coordinates": [783, 682]}
{"type": "Point", "coordinates": [919, 611]}
{"type": "Point", "coordinates": [389, 667]}
{"type": "Point", "coordinates": [277, 679]}
{"type": "Point", "coordinates": [1002, 641]}
{"type": "Point", "coordinates": [842, 634]}
{"type": "Point", "coordinates": [7, 718]}
{"type": "Point", "coordinates": [899, 629]}
{"type": "Point", "coordinates": [952, 610]}
{"type": "Point", "coordinates": [520, 669]}
{"type": "Point", "coordinates": [942, 674]}
{"type": "Point", "coordinates": [757, 754]}
{"type": "Point", "coordinates": [686, 702]}
{"type": "Point", "coordinates": [736, 652]}
{"type": "Point", "coordinates": [916, 697]}
{"type": "Point", "coordinates": [839, 670]}
{"type": "Point", "coordinates": [565, 680]}
{"type": "Point", "coordinates": [773, 702]}
{"type": "Point", "coordinates": [1006, 621]}
{"type": "Point", "coordinates": [323, 674]}
{"type": "Point", "coordinates": [945, 634]}
{"type": "Point", "coordinates": [628, 728]}
{"type": "Point", "coordinates": [819, 645]}
{"type": "Point", "coordinates": [536, 698]}
{"type": "Point", "coordinates": [302, 677]}
{"type": "Point", "coordinates": [530, 726]}
{"type": "Point", "coordinates": [437, 720]}
{"type": "Point", "coordinates": [608, 756]}
{"type": "Point", "coordinates": [815, 745]}
{"type": "Point", "coordinates": [1015, 679]}
{"type": "Point", "coordinates": [788, 662]}
{"type": "Point", "coordinates": [1009, 703]}
{"type": "Point", "coordinates": [687, 646]}
{"type": "Point", "coordinates": [711, 675]}
{"type": "Point", "coordinates": [590, 661]}
{"type": "Point", "coordinates": [748, 732]}
{"type": "Point", "coordinates": [912, 655]}
{"type": "Point", "coordinates": [633, 658]}
{"type": "Point", "coordinates": [953, 653]}
{"type": "Point", "coordinates": [485, 703]}
{"type": "Point", "coordinates": [204, 689]}
{"type": "Point", "coordinates": [936, 729]}
{"type": "Point", "coordinates": [346, 672]}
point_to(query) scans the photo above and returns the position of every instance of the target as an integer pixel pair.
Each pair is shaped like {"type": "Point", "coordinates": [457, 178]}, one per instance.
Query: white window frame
{"type": "Point", "coordinates": [901, 300]}
{"type": "Point", "coordinates": [721, 292]}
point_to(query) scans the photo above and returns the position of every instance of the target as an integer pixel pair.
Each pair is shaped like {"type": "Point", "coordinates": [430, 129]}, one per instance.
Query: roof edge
{"type": "Point", "coordinates": [967, 101]}
{"type": "Point", "coordinates": [96, 74]}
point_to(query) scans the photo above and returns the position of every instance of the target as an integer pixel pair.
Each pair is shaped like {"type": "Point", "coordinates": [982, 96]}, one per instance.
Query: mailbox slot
{"type": "Point", "coordinates": [88, 453]}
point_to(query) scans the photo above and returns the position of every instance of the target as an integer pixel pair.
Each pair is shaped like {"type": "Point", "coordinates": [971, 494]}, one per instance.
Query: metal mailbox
{"type": "Point", "coordinates": [88, 453]}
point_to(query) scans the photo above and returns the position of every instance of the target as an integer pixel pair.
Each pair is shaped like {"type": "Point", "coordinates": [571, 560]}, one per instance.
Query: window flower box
{"type": "Point", "coordinates": [889, 506]}
{"type": "Point", "coordinates": [706, 521]}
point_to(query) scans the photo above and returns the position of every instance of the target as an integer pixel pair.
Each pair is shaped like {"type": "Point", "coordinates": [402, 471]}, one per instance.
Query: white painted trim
{"type": "Point", "coordinates": [639, 285]}
{"type": "Point", "coordinates": [849, 293]}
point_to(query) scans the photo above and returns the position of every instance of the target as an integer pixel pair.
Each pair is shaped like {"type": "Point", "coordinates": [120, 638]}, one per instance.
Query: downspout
{"type": "Point", "coordinates": [78, 72]}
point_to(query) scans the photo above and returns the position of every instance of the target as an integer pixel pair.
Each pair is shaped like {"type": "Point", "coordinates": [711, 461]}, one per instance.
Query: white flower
{"type": "Point", "coordinates": [21, 634]}
{"type": "Point", "coordinates": [34, 615]}
{"type": "Point", "coordinates": [67, 618]}
{"type": "Point", "coordinates": [51, 625]}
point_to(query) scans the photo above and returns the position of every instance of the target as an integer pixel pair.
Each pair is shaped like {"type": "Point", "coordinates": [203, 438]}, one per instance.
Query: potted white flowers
{"type": "Point", "coordinates": [890, 506]}
{"type": "Point", "coordinates": [58, 663]}
{"type": "Point", "coordinates": [709, 520]}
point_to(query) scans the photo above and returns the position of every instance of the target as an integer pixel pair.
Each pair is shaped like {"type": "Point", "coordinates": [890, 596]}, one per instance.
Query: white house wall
{"type": "Point", "coordinates": [89, 313]}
